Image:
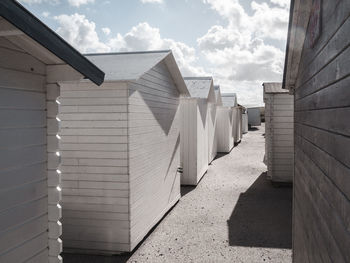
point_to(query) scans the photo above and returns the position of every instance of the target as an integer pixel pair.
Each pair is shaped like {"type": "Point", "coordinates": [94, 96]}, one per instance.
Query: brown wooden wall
{"type": "Point", "coordinates": [322, 142]}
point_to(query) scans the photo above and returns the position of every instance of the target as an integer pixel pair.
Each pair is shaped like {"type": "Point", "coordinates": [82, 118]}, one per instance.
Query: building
{"type": "Point", "coordinates": [198, 141]}
{"type": "Point", "coordinates": [279, 136]}
{"type": "Point", "coordinates": [120, 151]}
{"type": "Point", "coordinates": [33, 61]}
{"type": "Point", "coordinates": [319, 80]}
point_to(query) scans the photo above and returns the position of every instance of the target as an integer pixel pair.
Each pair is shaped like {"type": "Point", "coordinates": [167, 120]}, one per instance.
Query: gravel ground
{"type": "Point", "coordinates": [233, 215]}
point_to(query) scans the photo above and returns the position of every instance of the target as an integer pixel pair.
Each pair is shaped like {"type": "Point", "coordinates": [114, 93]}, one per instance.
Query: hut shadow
{"type": "Point", "coordinates": [163, 114]}
{"type": "Point", "coordinates": [262, 216]}
{"type": "Point", "coordinates": [253, 129]}
{"type": "Point", "coordinates": [84, 258]}
{"type": "Point", "coordinates": [185, 189]}
{"type": "Point", "coordinates": [221, 154]}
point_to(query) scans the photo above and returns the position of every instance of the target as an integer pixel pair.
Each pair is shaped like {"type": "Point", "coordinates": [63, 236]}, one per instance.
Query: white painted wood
{"type": "Point", "coordinates": [194, 139]}
{"type": "Point", "coordinates": [244, 122]}
{"type": "Point", "coordinates": [224, 128]}
{"type": "Point", "coordinates": [120, 154]}
{"type": "Point", "coordinates": [212, 133]}
{"type": "Point", "coordinates": [279, 141]}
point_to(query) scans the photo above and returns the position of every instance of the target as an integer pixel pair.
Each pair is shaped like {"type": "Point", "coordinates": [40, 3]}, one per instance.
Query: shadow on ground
{"type": "Point", "coordinates": [185, 189]}
{"type": "Point", "coordinates": [253, 129]}
{"type": "Point", "coordinates": [82, 258]}
{"type": "Point", "coordinates": [262, 216]}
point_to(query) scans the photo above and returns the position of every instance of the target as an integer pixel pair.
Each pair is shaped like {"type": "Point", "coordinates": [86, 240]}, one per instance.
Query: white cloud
{"type": "Point", "coordinates": [144, 37]}
{"type": "Point", "coordinates": [45, 14]}
{"type": "Point", "coordinates": [237, 52]}
{"type": "Point", "coordinates": [282, 3]}
{"type": "Point", "coordinates": [152, 1]}
{"type": "Point", "coordinates": [106, 30]}
{"type": "Point", "coordinates": [54, 2]}
{"type": "Point", "coordinates": [77, 3]}
{"type": "Point", "coordinates": [80, 32]}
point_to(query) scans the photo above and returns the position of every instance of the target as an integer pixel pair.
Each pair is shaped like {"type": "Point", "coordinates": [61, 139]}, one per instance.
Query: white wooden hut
{"type": "Point", "coordinates": [198, 143]}
{"type": "Point", "coordinates": [244, 121]}
{"type": "Point", "coordinates": [218, 95]}
{"type": "Point", "coordinates": [279, 138]}
{"type": "Point", "coordinates": [224, 127]}
{"type": "Point", "coordinates": [33, 59]}
{"type": "Point", "coordinates": [230, 100]}
{"type": "Point", "coordinates": [120, 151]}
{"type": "Point", "coordinates": [254, 116]}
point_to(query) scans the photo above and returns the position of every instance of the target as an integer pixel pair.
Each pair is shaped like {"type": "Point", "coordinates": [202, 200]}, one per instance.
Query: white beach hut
{"type": "Point", "coordinates": [254, 116]}
{"type": "Point", "coordinates": [120, 151]}
{"type": "Point", "coordinates": [279, 137]}
{"type": "Point", "coordinates": [218, 95]}
{"type": "Point", "coordinates": [230, 100]}
{"type": "Point", "coordinates": [198, 143]}
{"type": "Point", "coordinates": [33, 59]}
{"type": "Point", "coordinates": [244, 121]}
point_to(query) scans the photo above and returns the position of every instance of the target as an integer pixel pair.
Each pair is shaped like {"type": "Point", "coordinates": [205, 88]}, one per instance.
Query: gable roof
{"type": "Point", "coordinates": [229, 99]}
{"type": "Point", "coordinates": [128, 66]}
{"type": "Point", "coordinates": [273, 87]}
{"type": "Point", "coordinates": [22, 19]}
{"type": "Point", "coordinates": [199, 87]}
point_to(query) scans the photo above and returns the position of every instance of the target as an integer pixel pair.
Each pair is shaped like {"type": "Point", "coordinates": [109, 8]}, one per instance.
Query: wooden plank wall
{"type": "Point", "coordinates": [23, 157]}
{"type": "Point", "coordinates": [194, 157]}
{"type": "Point", "coordinates": [322, 142]}
{"type": "Point", "coordinates": [154, 149]}
{"type": "Point", "coordinates": [224, 129]}
{"type": "Point", "coordinates": [94, 156]}
{"type": "Point", "coordinates": [212, 133]}
{"type": "Point", "coordinates": [279, 136]}
{"type": "Point", "coordinates": [244, 123]}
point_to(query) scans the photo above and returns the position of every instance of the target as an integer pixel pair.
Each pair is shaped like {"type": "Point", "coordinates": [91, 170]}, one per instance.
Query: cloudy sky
{"type": "Point", "coordinates": [240, 43]}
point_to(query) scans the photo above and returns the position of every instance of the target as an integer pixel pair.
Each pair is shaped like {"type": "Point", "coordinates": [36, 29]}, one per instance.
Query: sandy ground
{"type": "Point", "coordinates": [233, 215]}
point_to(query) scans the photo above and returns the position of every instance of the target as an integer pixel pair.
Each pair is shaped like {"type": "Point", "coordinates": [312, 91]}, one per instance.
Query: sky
{"type": "Point", "coordinates": [241, 43]}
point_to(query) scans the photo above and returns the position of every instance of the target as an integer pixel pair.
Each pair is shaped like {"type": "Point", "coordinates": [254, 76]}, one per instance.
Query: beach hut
{"type": "Point", "coordinates": [244, 121]}
{"type": "Point", "coordinates": [33, 60]}
{"type": "Point", "coordinates": [198, 143]}
{"type": "Point", "coordinates": [317, 73]}
{"type": "Point", "coordinates": [254, 116]}
{"type": "Point", "coordinates": [230, 100]}
{"type": "Point", "coordinates": [279, 134]}
{"type": "Point", "coordinates": [120, 151]}
{"type": "Point", "coordinates": [218, 95]}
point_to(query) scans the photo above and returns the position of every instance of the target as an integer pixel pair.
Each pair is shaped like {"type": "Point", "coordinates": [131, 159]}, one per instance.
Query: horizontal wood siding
{"type": "Point", "coordinates": [154, 141]}
{"type": "Point", "coordinates": [322, 142]}
{"type": "Point", "coordinates": [279, 139]}
{"type": "Point", "coordinates": [212, 133]}
{"type": "Point", "coordinates": [194, 140]}
{"type": "Point", "coordinates": [23, 155]}
{"type": "Point", "coordinates": [224, 129]}
{"type": "Point", "coordinates": [94, 164]}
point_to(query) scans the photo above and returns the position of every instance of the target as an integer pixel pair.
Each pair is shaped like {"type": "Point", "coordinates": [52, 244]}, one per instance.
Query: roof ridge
{"type": "Point", "coordinates": [128, 52]}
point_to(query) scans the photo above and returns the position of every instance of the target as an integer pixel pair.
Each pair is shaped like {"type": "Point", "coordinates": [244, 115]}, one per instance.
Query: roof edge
{"type": "Point", "coordinates": [21, 18]}
{"type": "Point", "coordinates": [127, 53]}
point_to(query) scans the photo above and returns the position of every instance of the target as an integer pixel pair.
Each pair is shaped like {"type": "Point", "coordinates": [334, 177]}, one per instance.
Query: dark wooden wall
{"type": "Point", "coordinates": [322, 142]}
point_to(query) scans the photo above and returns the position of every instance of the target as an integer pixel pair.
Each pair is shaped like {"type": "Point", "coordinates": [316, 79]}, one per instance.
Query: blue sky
{"type": "Point", "coordinates": [241, 43]}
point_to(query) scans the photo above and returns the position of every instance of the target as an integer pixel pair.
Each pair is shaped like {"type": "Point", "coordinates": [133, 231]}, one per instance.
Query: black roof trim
{"type": "Point", "coordinates": [21, 18]}
{"type": "Point", "coordinates": [128, 53]}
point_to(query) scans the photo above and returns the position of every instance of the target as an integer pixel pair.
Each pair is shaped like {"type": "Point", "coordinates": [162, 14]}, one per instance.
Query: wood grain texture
{"type": "Point", "coordinates": [322, 167]}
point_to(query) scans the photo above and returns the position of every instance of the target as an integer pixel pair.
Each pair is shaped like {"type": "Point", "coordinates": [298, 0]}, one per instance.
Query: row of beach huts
{"type": "Point", "coordinates": [94, 148]}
